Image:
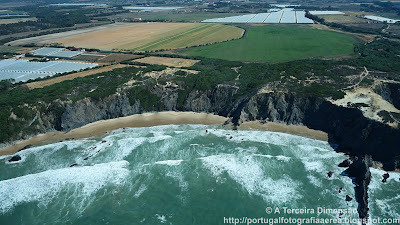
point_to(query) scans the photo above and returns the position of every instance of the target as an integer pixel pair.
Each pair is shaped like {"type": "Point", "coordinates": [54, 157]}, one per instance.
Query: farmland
{"type": "Point", "coordinates": [168, 16]}
{"type": "Point", "coordinates": [343, 19]}
{"type": "Point", "coordinates": [173, 62]}
{"type": "Point", "coordinates": [282, 16]}
{"type": "Point", "coordinates": [279, 43]}
{"type": "Point", "coordinates": [48, 82]}
{"type": "Point", "coordinates": [142, 36]}
{"type": "Point", "coordinates": [106, 57]}
{"type": "Point", "coordinates": [24, 70]}
{"type": "Point", "coordinates": [16, 20]}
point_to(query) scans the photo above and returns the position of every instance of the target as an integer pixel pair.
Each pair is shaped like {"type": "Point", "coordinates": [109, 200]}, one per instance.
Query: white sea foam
{"type": "Point", "coordinates": [278, 157]}
{"type": "Point", "coordinates": [275, 138]}
{"type": "Point", "coordinates": [317, 166]}
{"type": "Point", "coordinates": [46, 185]}
{"type": "Point", "coordinates": [140, 191]}
{"type": "Point", "coordinates": [378, 175]}
{"type": "Point", "coordinates": [169, 162]}
{"type": "Point", "coordinates": [161, 218]}
{"type": "Point", "coordinates": [283, 158]}
{"type": "Point", "coordinates": [382, 192]}
{"type": "Point", "coordinates": [123, 148]}
{"type": "Point", "coordinates": [314, 180]}
{"type": "Point", "coordinates": [178, 176]}
{"type": "Point", "coordinates": [49, 149]}
{"type": "Point", "coordinates": [252, 178]}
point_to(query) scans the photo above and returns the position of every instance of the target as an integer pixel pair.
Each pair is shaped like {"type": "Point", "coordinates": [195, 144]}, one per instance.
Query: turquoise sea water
{"type": "Point", "coordinates": [186, 174]}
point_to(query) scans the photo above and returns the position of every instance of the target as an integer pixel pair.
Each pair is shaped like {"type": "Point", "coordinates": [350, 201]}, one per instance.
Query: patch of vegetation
{"type": "Point", "coordinates": [148, 100]}
{"type": "Point", "coordinates": [381, 55]}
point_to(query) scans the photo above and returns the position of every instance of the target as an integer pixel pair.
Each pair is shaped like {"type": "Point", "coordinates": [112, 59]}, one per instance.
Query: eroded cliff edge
{"type": "Point", "coordinates": [348, 129]}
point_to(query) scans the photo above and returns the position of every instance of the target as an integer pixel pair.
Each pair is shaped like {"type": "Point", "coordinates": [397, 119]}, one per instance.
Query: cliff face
{"type": "Point", "coordinates": [87, 111]}
{"type": "Point", "coordinates": [390, 92]}
{"type": "Point", "coordinates": [349, 131]}
{"type": "Point", "coordinates": [347, 128]}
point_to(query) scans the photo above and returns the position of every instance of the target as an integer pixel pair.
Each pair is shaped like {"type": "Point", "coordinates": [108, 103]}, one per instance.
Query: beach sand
{"type": "Point", "coordinates": [284, 128]}
{"type": "Point", "coordinates": [98, 128]}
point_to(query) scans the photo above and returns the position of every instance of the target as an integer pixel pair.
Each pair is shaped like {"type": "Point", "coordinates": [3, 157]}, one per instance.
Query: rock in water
{"type": "Point", "coordinates": [15, 158]}
{"type": "Point", "coordinates": [385, 177]}
{"type": "Point", "coordinates": [25, 147]}
{"type": "Point", "coordinates": [345, 163]}
{"type": "Point", "coordinates": [330, 173]}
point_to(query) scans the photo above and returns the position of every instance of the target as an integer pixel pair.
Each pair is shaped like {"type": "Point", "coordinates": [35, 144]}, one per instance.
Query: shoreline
{"type": "Point", "coordinates": [284, 128]}
{"type": "Point", "coordinates": [98, 128]}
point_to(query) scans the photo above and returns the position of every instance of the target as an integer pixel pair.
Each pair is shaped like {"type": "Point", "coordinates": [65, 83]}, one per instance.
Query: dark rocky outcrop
{"type": "Point", "coordinates": [87, 111]}
{"type": "Point", "coordinates": [345, 163]}
{"type": "Point", "coordinates": [385, 177]}
{"type": "Point", "coordinates": [15, 158]}
{"type": "Point", "coordinates": [361, 176]}
{"type": "Point", "coordinates": [348, 198]}
{"type": "Point", "coordinates": [25, 147]}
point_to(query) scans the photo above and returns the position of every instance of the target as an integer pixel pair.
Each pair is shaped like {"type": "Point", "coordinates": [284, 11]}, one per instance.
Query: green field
{"type": "Point", "coordinates": [9, 49]}
{"type": "Point", "coordinates": [278, 43]}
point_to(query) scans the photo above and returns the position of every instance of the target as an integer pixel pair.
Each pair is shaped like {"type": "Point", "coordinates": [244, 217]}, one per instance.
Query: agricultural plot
{"type": "Point", "coordinates": [381, 19]}
{"type": "Point", "coordinates": [326, 12]}
{"type": "Point", "coordinates": [117, 58]}
{"type": "Point", "coordinates": [289, 17]}
{"type": "Point", "coordinates": [89, 57]}
{"type": "Point", "coordinates": [6, 49]}
{"type": "Point", "coordinates": [259, 18]}
{"type": "Point", "coordinates": [173, 62]}
{"type": "Point", "coordinates": [281, 16]}
{"type": "Point", "coordinates": [55, 52]}
{"type": "Point", "coordinates": [16, 20]}
{"type": "Point", "coordinates": [151, 8]}
{"type": "Point", "coordinates": [142, 36]}
{"type": "Point", "coordinates": [275, 17]}
{"type": "Point", "coordinates": [169, 16]}
{"type": "Point", "coordinates": [301, 18]}
{"type": "Point", "coordinates": [48, 82]}
{"type": "Point", "coordinates": [279, 43]}
{"type": "Point", "coordinates": [106, 57]}
{"type": "Point", "coordinates": [343, 19]}
{"type": "Point", "coordinates": [23, 70]}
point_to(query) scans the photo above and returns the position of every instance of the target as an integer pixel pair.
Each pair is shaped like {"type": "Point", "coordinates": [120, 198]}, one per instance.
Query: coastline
{"type": "Point", "coordinates": [284, 128]}
{"type": "Point", "coordinates": [98, 128]}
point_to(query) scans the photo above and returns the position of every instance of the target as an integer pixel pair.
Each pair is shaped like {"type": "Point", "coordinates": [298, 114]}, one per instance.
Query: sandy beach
{"type": "Point", "coordinates": [98, 128]}
{"type": "Point", "coordinates": [284, 128]}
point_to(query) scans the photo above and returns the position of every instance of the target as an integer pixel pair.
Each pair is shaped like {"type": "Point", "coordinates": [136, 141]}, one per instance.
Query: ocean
{"type": "Point", "coordinates": [184, 174]}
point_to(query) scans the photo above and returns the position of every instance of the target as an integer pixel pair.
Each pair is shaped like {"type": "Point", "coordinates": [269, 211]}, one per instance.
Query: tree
{"type": "Point", "coordinates": [6, 84]}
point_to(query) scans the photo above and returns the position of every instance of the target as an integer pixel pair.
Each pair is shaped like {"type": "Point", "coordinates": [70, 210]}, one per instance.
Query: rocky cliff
{"type": "Point", "coordinates": [349, 131]}
{"type": "Point", "coordinates": [347, 128]}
